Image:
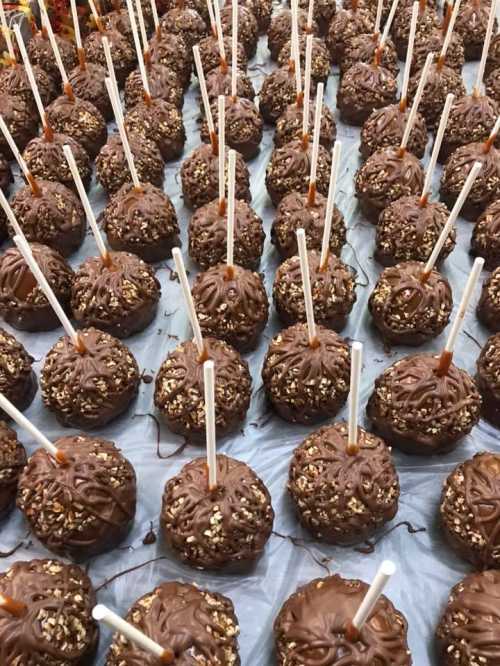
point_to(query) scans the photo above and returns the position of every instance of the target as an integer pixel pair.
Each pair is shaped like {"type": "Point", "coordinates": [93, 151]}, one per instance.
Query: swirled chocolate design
{"type": "Point", "coordinates": [14, 81]}
{"type": "Point", "coordinates": [289, 125]}
{"type": "Point", "coordinates": [345, 24]}
{"type": "Point", "coordinates": [471, 120]}
{"type": "Point", "coordinates": [211, 529]}
{"type": "Point", "coordinates": [432, 42]}
{"type": "Point", "coordinates": [488, 379]}
{"type": "Point", "coordinates": [485, 240]}
{"type": "Point", "coordinates": [17, 380]}
{"type": "Point", "coordinates": [310, 629]}
{"type": "Point", "coordinates": [89, 84]}
{"type": "Point", "coordinates": [427, 20]}
{"type": "Point", "coordinates": [21, 121]}
{"type": "Point", "coordinates": [363, 88]}
{"type": "Point", "coordinates": [164, 83]}
{"type": "Point", "coordinates": [280, 29]}
{"type": "Point", "coordinates": [46, 160]}
{"type": "Point", "coordinates": [279, 89]}
{"type": "Point", "coordinates": [218, 82]}
{"type": "Point", "coordinates": [320, 57]}
{"type": "Point", "coordinates": [488, 308]}
{"type": "Point", "coordinates": [122, 52]}
{"type": "Point", "coordinates": [12, 461]}
{"type": "Point", "coordinates": [362, 48]}
{"type": "Point", "coordinates": [385, 128]}
{"type": "Point", "coordinates": [244, 126]}
{"type": "Point", "coordinates": [173, 52]}
{"type": "Point", "coordinates": [492, 85]}
{"type": "Point", "coordinates": [79, 119]}
{"type": "Point", "coordinates": [471, 25]}
{"type": "Point", "coordinates": [440, 82]}
{"type": "Point", "coordinates": [210, 54]}
{"type": "Point", "coordinates": [161, 122]}
{"type": "Point", "coordinates": [40, 53]}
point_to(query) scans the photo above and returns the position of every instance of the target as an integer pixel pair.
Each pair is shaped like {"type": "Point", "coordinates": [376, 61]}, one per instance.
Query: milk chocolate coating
{"type": "Point", "coordinates": [262, 10]}
{"type": "Point", "coordinates": [439, 84]}
{"type": "Point", "coordinates": [345, 24]}
{"type": "Point", "coordinates": [163, 83]}
{"type": "Point", "coordinates": [432, 41]}
{"type": "Point", "coordinates": [118, 20]}
{"type": "Point", "coordinates": [200, 177]}
{"type": "Point", "coordinates": [493, 59]}
{"type": "Point", "coordinates": [195, 624]}
{"type": "Point", "coordinates": [144, 223]}
{"type": "Point", "coordinates": [320, 57]}
{"type": "Point", "coordinates": [120, 299]}
{"type": "Point", "coordinates": [488, 379]}
{"type": "Point", "coordinates": [279, 89]}
{"type": "Point", "coordinates": [406, 311]}
{"type": "Point", "coordinates": [243, 124]}
{"type": "Point", "coordinates": [323, 13]}
{"type": "Point", "coordinates": [89, 389]}
{"type": "Point", "coordinates": [384, 128]}
{"type": "Point", "coordinates": [233, 308]}
{"type": "Point", "coordinates": [333, 290]}
{"type": "Point", "coordinates": [469, 629]}
{"type": "Point", "coordinates": [220, 528]}
{"type": "Point", "coordinates": [312, 623]}
{"type": "Point", "coordinates": [385, 177]}
{"type": "Point", "coordinates": [294, 213]}
{"type": "Point", "coordinates": [186, 22]}
{"type": "Point", "coordinates": [89, 84]}
{"type": "Point", "coordinates": [55, 218]}
{"type": "Point", "coordinates": [488, 308]}
{"type": "Point", "coordinates": [79, 119]}
{"type": "Point", "coordinates": [280, 29]}
{"type": "Point", "coordinates": [18, 382]}
{"type": "Point", "coordinates": [408, 231]}
{"type": "Point", "coordinates": [218, 82]}
{"type": "Point", "coordinates": [6, 179]}
{"type": "Point", "coordinates": [20, 120]}
{"type": "Point", "coordinates": [363, 88]}
{"type": "Point", "coordinates": [14, 81]}
{"type": "Point", "coordinates": [486, 187]}
{"type": "Point", "coordinates": [46, 160]}
{"type": "Point", "coordinates": [248, 30]}
{"type": "Point", "coordinates": [420, 412]}
{"type": "Point", "coordinates": [83, 508]}
{"type": "Point", "coordinates": [173, 52]}
{"type": "Point", "coordinates": [207, 233]}
{"type": "Point", "coordinates": [289, 125]}
{"type": "Point", "coordinates": [485, 241]}
{"type": "Point", "coordinates": [289, 170]}
{"type": "Point", "coordinates": [363, 47]}
{"type": "Point", "coordinates": [122, 52]}
{"type": "Point", "coordinates": [23, 304]}
{"type": "Point", "coordinates": [179, 389]}
{"type": "Point", "coordinates": [427, 20]}
{"type": "Point", "coordinates": [471, 119]}
{"type": "Point", "coordinates": [343, 498]}
{"type": "Point", "coordinates": [210, 54]}
{"type": "Point", "coordinates": [161, 122]}
{"type": "Point", "coordinates": [58, 628]}
{"type": "Point", "coordinates": [492, 85]}
{"type": "Point", "coordinates": [471, 24]}
{"type": "Point", "coordinates": [304, 383]}
{"type": "Point", "coordinates": [12, 461]}
{"type": "Point", "coordinates": [40, 53]}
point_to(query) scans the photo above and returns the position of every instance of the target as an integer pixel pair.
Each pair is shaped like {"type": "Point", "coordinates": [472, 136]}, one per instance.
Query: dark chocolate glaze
{"type": "Point", "coordinates": [213, 529]}
{"type": "Point", "coordinates": [22, 302]}
{"type": "Point", "coordinates": [488, 308]}
{"type": "Point", "coordinates": [184, 21]}
{"type": "Point", "coordinates": [89, 389]}
{"type": "Point", "coordinates": [320, 57]}
{"type": "Point", "coordinates": [21, 121]}
{"type": "Point", "coordinates": [173, 52]}
{"type": "Point", "coordinates": [218, 82]}
{"type": "Point", "coordinates": [485, 241]}
{"type": "Point", "coordinates": [279, 89]}
{"type": "Point", "coordinates": [244, 126]}
{"type": "Point", "coordinates": [18, 382]}
{"type": "Point", "coordinates": [364, 88]}
{"type": "Point", "coordinates": [471, 24]}
{"type": "Point", "coordinates": [342, 498]}
{"type": "Point", "coordinates": [163, 83]}
{"type": "Point", "coordinates": [6, 179]}
{"type": "Point", "coordinates": [198, 625]}
{"type": "Point", "coordinates": [248, 30]}
{"type": "Point", "coordinates": [161, 122]}
{"type": "Point", "coordinates": [118, 20]}
{"type": "Point", "coordinates": [79, 119]}
{"type": "Point", "coordinates": [440, 82]}
{"type": "Point", "coordinates": [345, 24]}
{"type": "Point", "coordinates": [385, 128]}
{"type": "Point", "coordinates": [179, 389]}
{"type": "Point", "coordinates": [89, 84]}
{"type": "Point", "coordinates": [122, 52]}
{"type": "Point", "coordinates": [427, 21]}
{"type": "Point", "coordinates": [289, 125]}
{"type": "Point", "coordinates": [488, 379]}
{"type": "Point", "coordinates": [492, 85]}
{"type": "Point", "coordinates": [262, 10]}
{"type": "Point", "coordinates": [14, 81]}
{"type": "Point", "coordinates": [323, 12]}
{"type": "Point", "coordinates": [420, 412]}
{"type": "Point", "coordinates": [58, 628]}
{"type": "Point", "coordinates": [12, 461]}
{"type": "Point", "coordinates": [280, 29]}
{"type": "Point", "coordinates": [471, 119]}
{"type": "Point", "coordinates": [210, 54]}
{"type": "Point", "coordinates": [40, 53]}
{"type": "Point", "coordinates": [310, 629]}
{"type": "Point", "coordinates": [363, 47]}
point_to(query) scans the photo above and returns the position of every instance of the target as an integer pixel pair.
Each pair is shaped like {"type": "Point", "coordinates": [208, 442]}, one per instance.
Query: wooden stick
{"type": "Point", "coordinates": [356, 365]}
{"type": "Point", "coordinates": [9, 213]}
{"type": "Point", "coordinates": [449, 31]}
{"type": "Point", "coordinates": [204, 97]}
{"type": "Point", "coordinates": [231, 204]}
{"type": "Point", "coordinates": [6, 33]}
{"type": "Point", "coordinates": [221, 124]}
{"type": "Point", "coordinates": [68, 90]}
{"type": "Point", "coordinates": [306, 286]}
{"type": "Point", "coordinates": [220, 37]}
{"type": "Point", "coordinates": [209, 385]}
{"type": "Point", "coordinates": [13, 607]}
{"type": "Point", "coordinates": [378, 17]}
{"type": "Point", "coordinates": [414, 107]}
{"type": "Point", "coordinates": [310, 16]}
{"type": "Point", "coordinates": [403, 102]}
{"type": "Point", "coordinates": [101, 613]}
{"type": "Point", "coordinates": [386, 570]}
{"type": "Point", "coordinates": [307, 92]}
{"type": "Point", "coordinates": [154, 12]}
{"type": "Point", "coordinates": [493, 136]}
{"type": "Point", "coordinates": [385, 34]}
{"type": "Point", "coordinates": [188, 301]}
{"type": "Point", "coordinates": [330, 203]}
{"type": "Point", "coordinates": [295, 63]}
{"type": "Point", "coordinates": [424, 197]}
{"type": "Point", "coordinates": [476, 91]}
{"type": "Point", "coordinates": [138, 50]}
{"type": "Point", "coordinates": [311, 196]}
{"type": "Point", "coordinates": [111, 71]}
{"type": "Point", "coordinates": [234, 51]}
{"type": "Point", "coordinates": [142, 24]}
{"type": "Point", "coordinates": [19, 158]}
{"type": "Point", "coordinates": [78, 36]}
{"type": "Point", "coordinates": [213, 25]}
{"type": "Point", "coordinates": [96, 16]}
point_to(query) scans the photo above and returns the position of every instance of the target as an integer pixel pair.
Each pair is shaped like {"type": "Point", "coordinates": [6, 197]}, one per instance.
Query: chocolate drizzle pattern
{"type": "Point", "coordinates": [218, 82]}
{"type": "Point", "coordinates": [46, 160]}
{"type": "Point", "coordinates": [161, 122]}
{"type": "Point", "coordinates": [488, 308]}
{"type": "Point", "coordinates": [184, 21]}
{"type": "Point", "coordinates": [320, 57]}
{"type": "Point", "coordinates": [280, 29]}
{"type": "Point", "coordinates": [385, 128]}
{"type": "Point", "coordinates": [164, 83]}
{"type": "Point", "coordinates": [485, 240]}
{"type": "Point", "coordinates": [173, 52]}
{"type": "Point", "coordinates": [432, 42]}
{"type": "Point", "coordinates": [492, 85]}
{"type": "Point", "coordinates": [40, 53]}
{"type": "Point", "coordinates": [289, 125]}
{"type": "Point", "coordinates": [427, 20]}
{"type": "Point", "coordinates": [89, 84]}
{"type": "Point", "coordinates": [210, 54]}
{"type": "Point", "coordinates": [14, 81]}
{"type": "Point", "coordinates": [279, 89]}
{"type": "Point", "coordinates": [439, 83]}
{"type": "Point", "coordinates": [21, 121]}
{"type": "Point", "coordinates": [122, 52]}
{"type": "Point", "coordinates": [471, 24]}
{"type": "Point", "coordinates": [248, 30]}
{"type": "Point", "coordinates": [81, 508]}
{"type": "Point", "coordinates": [488, 379]}
{"type": "Point", "coordinates": [363, 47]}
{"type": "Point", "coordinates": [79, 119]}
{"type": "Point", "coordinates": [17, 380]}
{"type": "Point", "coordinates": [213, 529]}
{"type": "Point", "coordinates": [12, 461]}
{"type": "Point", "coordinates": [471, 119]}
{"type": "Point", "coordinates": [58, 628]}
{"type": "Point", "coordinates": [363, 88]}
{"type": "Point", "coordinates": [345, 24]}
{"type": "Point", "coordinates": [310, 629]}
{"type": "Point", "coordinates": [244, 126]}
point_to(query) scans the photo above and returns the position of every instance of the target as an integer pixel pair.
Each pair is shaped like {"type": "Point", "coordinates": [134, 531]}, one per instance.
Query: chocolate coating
{"type": "Point", "coordinates": [486, 187]}
{"type": "Point", "coordinates": [406, 311]}
{"type": "Point", "coordinates": [363, 47]}
{"type": "Point", "coordinates": [17, 380]}
{"type": "Point", "coordinates": [89, 84]}
{"type": "Point", "coordinates": [294, 213]}
{"type": "Point", "coordinates": [179, 389]}
{"type": "Point", "coordinates": [46, 160]}
{"type": "Point", "coordinates": [363, 88]}
{"type": "Point", "coordinates": [243, 124]}
{"type": "Point", "coordinates": [120, 299]}
{"type": "Point", "coordinates": [439, 84]}
{"type": "Point", "coordinates": [420, 412]}
{"type": "Point", "coordinates": [385, 177]}
{"type": "Point", "coordinates": [23, 304]}
{"type": "Point", "coordinates": [161, 122]}
{"type": "Point", "coordinates": [200, 177]}
{"type": "Point", "coordinates": [14, 81]}
{"type": "Point", "coordinates": [195, 624]}
{"type": "Point", "coordinates": [488, 308]}
{"type": "Point", "coordinates": [289, 170]}
{"type": "Point", "coordinates": [305, 383]}
{"type": "Point", "coordinates": [89, 389]}
{"type": "Point", "coordinates": [6, 179]}
{"type": "Point", "coordinates": [218, 82]}
{"type": "Point", "coordinates": [333, 290]}
{"type": "Point", "coordinates": [485, 241]}
{"type": "Point", "coordinates": [163, 83]}
{"type": "Point", "coordinates": [280, 30]}
{"type": "Point", "coordinates": [118, 20]}
{"type": "Point", "coordinates": [40, 53]}
{"type": "Point", "coordinates": [231, 306]}
{"type": "Point", "coordinates": [186, 22]}
{"type": "Point", "coordinates": [261, 9]}
{"type": "Point", "coordinates": [210, 54]}
{"type": "Point", "coordinates": [345, 24]}
{"type": "Point", "coordinates": [173, 52]}
{"type": "Point", "coordinates": [122, 52]}
{"type": "Point", "coordinates": [471, 119]}
{"type": "Point", "coordinates": [12, 461]}
{"type": "Point", "coordinates": [289, 125]}
{"type": "Point", "coordinates": [248, 30]}
{"type": "Point", "coordinates": [55, 218]}
{"type": "Point", "coordinates": [58, 628]}
{"type": "Point", "coordinates": [20, 120]}
{"type": "Point", "coordinates": [80, 120]}
{"type": "Point", "coordinates": [323, 12]}
{"type": "Point", "coordinates": [469, 629]}
{"type": "Point", "coordinates": [427, 20]}
{"type": "Point", "coordinates": [407, 231]}
{"type": "Point", "coordinates": [488, 379]}
{"type": "Point", "coordinates": [279, 89]}
{"type": "Point", "coordinates": [324, 608]}
{"type": "Point", "coordinates": [144, 223]}
{"type": "Point", "coordinates": [385, 127]}
{"type": "Point", "coordinates": [320, 57]}
{"type": "Point", "coordinates": [83, 508]}
{"type": "Point", "coordinates": [471, 24]}
{"type": "Point", "coordinates": [227, 526]}
{"type": "Point", "coordinates": [207, 233]}
{"type": "Point", "coordinates": [342, 498]}
{"type": "Point", "coordinates": [112, 169]}
{"type": "Point", "coordinates": [492, 85]}
{"type": "Point", "coordinates": [432, 41]}
{"type": "Point", "coordinates": [493, 59]}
